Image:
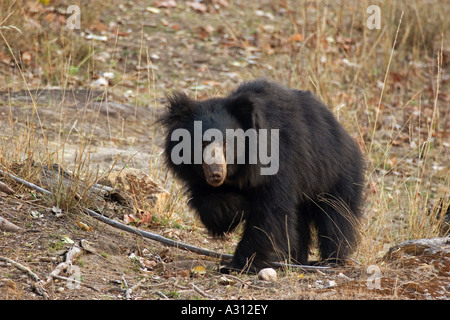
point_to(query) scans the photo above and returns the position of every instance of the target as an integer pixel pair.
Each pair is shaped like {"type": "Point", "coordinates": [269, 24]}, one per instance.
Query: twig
{"type": "Point", "coordinates": [28, 184]}
{"type": "Point", "coordinates": [243, 282]}
{"type": "Point", "coordinates": [5, 188]}
{"type": "Point", "coordinates": [38, 285]}
{"type": "Point", "coordinates": [130, 229]}
{"type": "Point", "coordinates": [33, 275]}
{"type": "Point", "coordinates": [197, 289]}
{"type": "Point", "coordinates": [156, 237]}
{"type": "Point", "coordinates": [77, 282]}
{"type": "Point", "coordinates": [162, 295]}
{"type": "Point", "coordinates": [5, 225]}
{"type": "Point", "coordinates": [71, 255]}
{"type": "Point", "coordinates": [129, 291]}
{"type": "Point", "coordinates": [302, 267]}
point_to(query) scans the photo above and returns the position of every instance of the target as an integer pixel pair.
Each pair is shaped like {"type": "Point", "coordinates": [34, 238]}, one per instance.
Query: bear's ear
{"type": "Point", "coordinates": [243, 107]}
{"type": "Point", "coordinates": [179, 108]}
{"type": "Point", "coordinates": [179, 103]}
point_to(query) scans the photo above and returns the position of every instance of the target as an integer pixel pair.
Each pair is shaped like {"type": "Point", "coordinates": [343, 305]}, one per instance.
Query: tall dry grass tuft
{"type": "Point", "coordinates": [44, 40]}
{"type": "Point", "coordinates": [67, 60]}
{"type": "Point", "coordinates": [25, 147]}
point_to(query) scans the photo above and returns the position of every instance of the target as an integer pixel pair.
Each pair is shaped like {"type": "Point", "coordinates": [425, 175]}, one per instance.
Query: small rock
{"type": "Point", "coordinates": [99, 83]}
{"type": "Point", "coordinates": [267, 274]}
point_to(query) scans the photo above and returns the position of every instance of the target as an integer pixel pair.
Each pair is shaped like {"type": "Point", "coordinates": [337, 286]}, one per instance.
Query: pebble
{"type": "Point", "coordinates": [268, 274]}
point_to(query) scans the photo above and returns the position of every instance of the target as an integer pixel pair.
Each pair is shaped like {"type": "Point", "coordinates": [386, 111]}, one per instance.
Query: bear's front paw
{"type": "Point", "coordinates": [228, 268]}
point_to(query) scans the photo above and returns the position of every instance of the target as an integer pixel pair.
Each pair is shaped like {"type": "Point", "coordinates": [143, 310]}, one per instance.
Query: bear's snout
{"type": "Point", "coordinates": [214, 164]}
{"type": "Point", "coordinates": [215, 174]}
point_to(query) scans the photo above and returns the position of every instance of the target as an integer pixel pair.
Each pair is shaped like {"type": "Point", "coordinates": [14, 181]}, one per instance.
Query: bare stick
{"type": "Point", "coordinates": [38, 284]}
{"type": "Point", "coordinates": [129, 291]}
{"type": "Point", "coordinates": [28, 184]}
{"type": "Point", "coordinates": [76, 281]}
{"type": "Point", "coordinates": [197, 289]}
{"type": "Point", "coordinates": [33, 275]}
{"type": "Point", "coordinates": [71, 255]}
{"type": "Point", "coordinates": [156, 237]}
{"type": "Point", "coordinates": [5, 188]}
{"type": "Point", "coordinates": [5, 225]}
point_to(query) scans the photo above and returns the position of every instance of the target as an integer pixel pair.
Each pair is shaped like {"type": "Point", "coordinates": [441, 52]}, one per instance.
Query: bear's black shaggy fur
{"type": "Point", "coordinates": [318, 184]}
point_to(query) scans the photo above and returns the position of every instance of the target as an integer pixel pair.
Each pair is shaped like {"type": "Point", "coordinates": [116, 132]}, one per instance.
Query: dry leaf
{"type": "Point", "coordinates": [26, 57]}
{"type": "Point", "coordinates": [98, 26]}
{"type": "Point", "coordinates": [84, 226]}
{"type": "Point", "coordinates": [129, 218]}
{"type": "Point", "coordinates": [200, 7]}
{"type": "Point", "coordinates": [5, 58]}
{"type": "Point", "coordinates": [296, 38]}
{"type": "Point", "coordinates": [36, 214]}
{"type": "Point", "coordinates": [148, 263]}
{"type": "Point", "coordinates": [57, 211]}
{"type": "Point", "coordinates": [222, 3]}
{"type": "Point", "coordinates": [212, 83]}
{"type": "Point", "coordinates": [184, 273]}
{"type": "Point", "coordinates": [146, 218]}
{"type": "Point", "coordinates": [66, 239]}
{"type": "Point", "coordinates": [165, 4]}
{"type": "Point", "coordinates": [164, 22]}
{"type": "Point", "coordinates": [50, 17]}
{"type": "Point", "coordinates": [153, 10]}
{"type": "Point", "coordinates": [198, 270]}
{"type": "Point", "coordinates": [172, 233]}
{"type": "Point", "coordinates": [86, 245]}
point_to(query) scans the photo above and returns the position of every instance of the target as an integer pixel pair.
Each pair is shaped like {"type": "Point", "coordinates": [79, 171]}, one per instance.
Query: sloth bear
{"type": "Point", "coordinates": [272, 157]}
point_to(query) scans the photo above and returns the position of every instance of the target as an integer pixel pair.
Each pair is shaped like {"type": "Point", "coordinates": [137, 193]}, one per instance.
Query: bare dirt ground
{"type": "Point", "coordinates": [152, 48]}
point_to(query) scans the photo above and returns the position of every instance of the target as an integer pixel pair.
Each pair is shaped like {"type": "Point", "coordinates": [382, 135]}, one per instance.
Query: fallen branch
{"type": "Point", "coordinates": [198, 290]}
{"type": "Point", "coordinates": [166, 241]}
{"type": "Point", "coordinates": [71, 255]}
{"type": "Point", "coordinates": [156, 237]}
{"type": "Point", "coordinates": [38, 284]}
{"type": "Point", "coordinates": [5, 188]}
{"type": "Point", "coordinates": [129, 291]}
{"type": "Point", "coordinates": [7, 226]}
{"type": "Point", "coordinates": [28, 184]}
{"type": "Point", "coordinates": [33, 275]}
{"type": "Point", "coordinates": [76, 282]}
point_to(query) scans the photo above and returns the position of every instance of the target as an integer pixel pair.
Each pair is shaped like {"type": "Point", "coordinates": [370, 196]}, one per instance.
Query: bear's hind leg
{"type": "Point", "coordinates": [304, 237]}
{"type": "Point", "coordinates": [337, 227]}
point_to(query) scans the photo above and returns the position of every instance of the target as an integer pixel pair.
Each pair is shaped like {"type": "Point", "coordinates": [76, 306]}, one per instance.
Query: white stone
{"type": "Point", "coordinates": [267, 274]}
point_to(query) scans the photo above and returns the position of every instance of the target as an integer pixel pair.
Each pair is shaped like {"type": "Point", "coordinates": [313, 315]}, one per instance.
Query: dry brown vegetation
{"type": "Point", "coordinates": [86, 99]}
